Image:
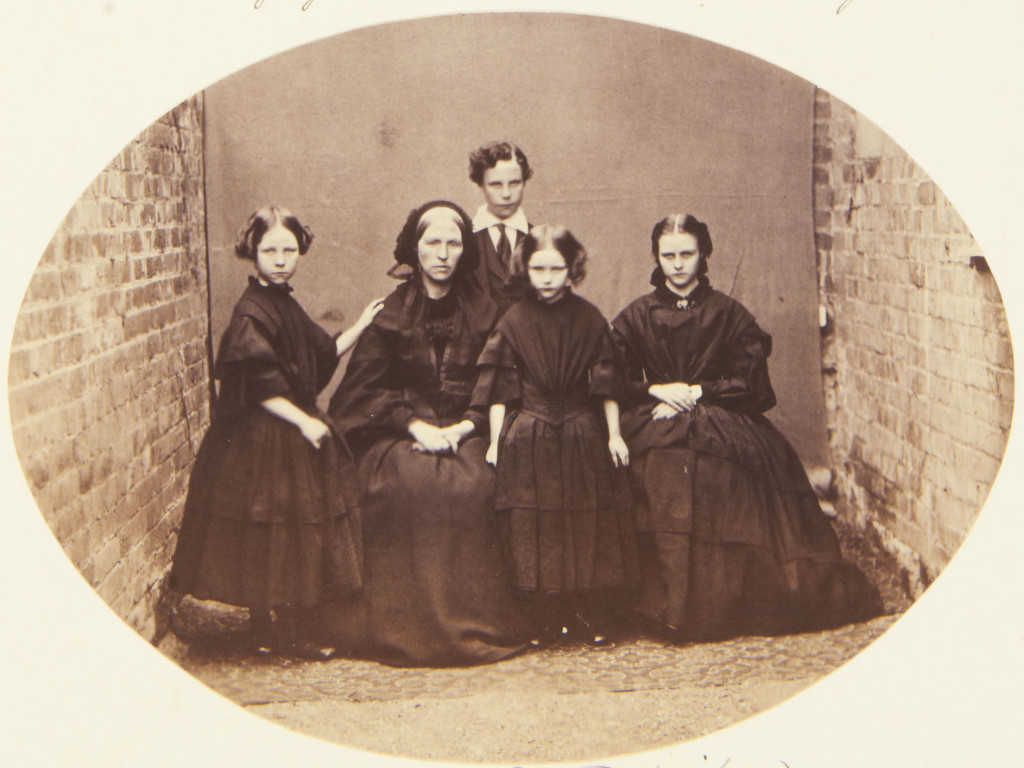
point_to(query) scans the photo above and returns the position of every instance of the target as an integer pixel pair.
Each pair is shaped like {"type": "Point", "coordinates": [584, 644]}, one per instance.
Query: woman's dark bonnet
{"type": "Point", "coordinates": [674, 224]}
{"type": "Point", "coordinates": [265, 219]}
{"type": "Point", "coordinates": [406, 245]}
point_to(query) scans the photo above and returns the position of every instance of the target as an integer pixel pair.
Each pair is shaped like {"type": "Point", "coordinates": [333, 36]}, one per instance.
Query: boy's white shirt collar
{"type": "Point", "coordinates": [483, 219]}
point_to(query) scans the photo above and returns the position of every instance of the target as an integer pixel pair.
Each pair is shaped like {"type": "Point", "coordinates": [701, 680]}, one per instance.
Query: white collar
{"type": "Point", "coordinates": [483, 219]}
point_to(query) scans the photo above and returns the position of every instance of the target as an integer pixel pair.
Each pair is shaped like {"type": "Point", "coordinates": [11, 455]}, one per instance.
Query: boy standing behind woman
{"type": "Point", "coordinates": [501, 170]}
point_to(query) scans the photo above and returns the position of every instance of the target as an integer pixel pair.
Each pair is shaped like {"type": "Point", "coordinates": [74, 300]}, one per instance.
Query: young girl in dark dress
{"type": "Point", "coordinates": [547, 375]}
{"type": "Point", "coordinates": [271, 518]}
{"type": "Point", "coordinates": [732, 539]}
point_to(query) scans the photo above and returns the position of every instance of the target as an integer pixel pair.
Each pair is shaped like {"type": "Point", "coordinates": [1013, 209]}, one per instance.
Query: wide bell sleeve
{"type": "Point", "coordinates": [368, 398]}
{"type": "Point", "coordinates": [605, 372]}
{"type": "Point", "coordinates": [743, 383]}
{"type": "Point", "coordinates": [634, 382]}
{"type": "Point", "coordinates": [248, 367]}
{"type": "Point", "coordinates": [497, 375]}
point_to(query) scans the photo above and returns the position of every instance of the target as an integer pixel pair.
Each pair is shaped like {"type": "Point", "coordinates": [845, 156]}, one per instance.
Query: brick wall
{"type": "Point", "coordinates": [108, 378]}
{"type": "Point", "coordinates": [917, 358]}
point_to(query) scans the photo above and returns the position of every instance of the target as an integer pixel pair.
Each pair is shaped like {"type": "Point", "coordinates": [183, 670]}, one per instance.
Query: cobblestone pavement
{"type": "Point", "coordinates": [565, 704]}
{"type": "Point", "coordinates": [572, 703]}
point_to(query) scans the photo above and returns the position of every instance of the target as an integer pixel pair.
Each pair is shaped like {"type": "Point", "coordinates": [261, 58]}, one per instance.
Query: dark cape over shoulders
{"type": "Point", "coordinates": [716, 343]}
{"type": "Point", "coordinates": [272, 348]}
{"type": "Point", "coordinates": [393, 377]}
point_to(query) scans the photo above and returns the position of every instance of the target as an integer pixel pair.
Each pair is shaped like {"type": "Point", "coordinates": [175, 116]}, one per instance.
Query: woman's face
{"type": "Point", "coordinates": [548, 273]}
{"type": "Point", "coordinates": [277, 256]}
{"type": "Point", "coordinates": [440, 246]}
{"type": "Point", "coordinates": [679, 259]}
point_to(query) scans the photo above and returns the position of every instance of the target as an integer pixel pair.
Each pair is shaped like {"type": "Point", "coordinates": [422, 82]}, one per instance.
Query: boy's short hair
{"type": "Point", "coordinates": [490, 154]}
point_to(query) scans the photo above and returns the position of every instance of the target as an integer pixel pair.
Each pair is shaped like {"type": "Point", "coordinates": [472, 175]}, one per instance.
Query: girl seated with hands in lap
{"type": "Point", "coordinates": [730, 532]}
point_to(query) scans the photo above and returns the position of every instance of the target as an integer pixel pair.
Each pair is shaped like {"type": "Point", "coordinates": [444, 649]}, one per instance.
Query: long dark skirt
{"type": "Point", "coordinates": [564, 510]}
{"type": "Point", "coordinates": [732, 539]}
{"type": "Point", "coordinates": [269, 520]}
{"type": "Point", "coordinates": [436, 591]}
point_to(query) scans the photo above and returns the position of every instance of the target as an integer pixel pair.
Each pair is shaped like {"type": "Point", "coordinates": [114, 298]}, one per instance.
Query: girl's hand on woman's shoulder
{"type": "Point", "coordinates": [347, 339]}
{"type": "Point", "coordinates": [370, 312]}
{"type": "Point", "coordinates": [619, 451]}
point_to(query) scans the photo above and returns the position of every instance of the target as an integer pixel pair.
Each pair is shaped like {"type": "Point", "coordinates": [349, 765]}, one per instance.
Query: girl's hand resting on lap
{"type": "Point", "coordinates": [664, 411]}
{"type": "Point", "coordinates": [492, 455]}
{"type": "Point", "coordinates": [676, 394]}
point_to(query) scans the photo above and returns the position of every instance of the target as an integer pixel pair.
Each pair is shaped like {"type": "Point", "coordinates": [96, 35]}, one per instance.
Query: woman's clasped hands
{"type": "Point", "coordinates": [438, 440]}
{"type": "Point", "coordinates": [676, 397]}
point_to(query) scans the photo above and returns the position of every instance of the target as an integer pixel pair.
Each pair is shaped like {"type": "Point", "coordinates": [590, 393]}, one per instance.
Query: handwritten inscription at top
{"type": "Point", "coordinates": [257, 4]}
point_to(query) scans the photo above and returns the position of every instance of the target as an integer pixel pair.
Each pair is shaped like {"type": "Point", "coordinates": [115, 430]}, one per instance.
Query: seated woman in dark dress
{"type": "Point", "coordinates": [435, 591]}
{"type": "Point", "coordinates": [732, 538]}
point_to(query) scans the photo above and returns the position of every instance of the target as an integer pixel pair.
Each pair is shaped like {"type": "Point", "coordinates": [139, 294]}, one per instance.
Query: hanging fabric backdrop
{"type": "Point", "coordinates": [623, 124]}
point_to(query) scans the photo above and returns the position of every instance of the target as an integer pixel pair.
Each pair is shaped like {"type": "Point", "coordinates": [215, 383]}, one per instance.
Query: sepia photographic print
{"type": "Point", "coordinates": [250, 524]}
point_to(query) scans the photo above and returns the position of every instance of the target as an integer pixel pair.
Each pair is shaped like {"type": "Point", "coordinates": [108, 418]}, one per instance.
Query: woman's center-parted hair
{"type": "Point", "coordinates": [406, 245]}
{"type": "Point", "coordinates": [559, 238]}
{"type": "Point", "coordinates": [265, 219]}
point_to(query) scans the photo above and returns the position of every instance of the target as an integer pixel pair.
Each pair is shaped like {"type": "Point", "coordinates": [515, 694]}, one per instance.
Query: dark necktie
{"type": "Point", "coordinates": [504, 248]}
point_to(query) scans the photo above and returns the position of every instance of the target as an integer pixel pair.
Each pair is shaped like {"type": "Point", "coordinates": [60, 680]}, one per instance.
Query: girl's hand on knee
{"type": "Point", "coordinates": [620, 453]}
{"type": "Point", "coordinates": [491, 456]}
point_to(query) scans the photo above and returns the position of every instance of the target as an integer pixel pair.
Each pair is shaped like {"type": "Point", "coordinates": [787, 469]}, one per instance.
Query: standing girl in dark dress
{"type": "Point", "coordinates": [732, 538]}
{"type": "Point", "coordinates": [548, 374]}
{"type": "Point", "coordinates": [435, 591]}
{"type": "Point", "coordinates": [271, 518]}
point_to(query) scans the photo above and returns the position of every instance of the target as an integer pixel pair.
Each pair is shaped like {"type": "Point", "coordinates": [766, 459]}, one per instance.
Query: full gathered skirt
{"type": "Point", "coordinates": [269, 520]}
{"type": "Point", "coordinates": [436, 591]}
{"type": "Point", "coordinates": [731, 536]}
{"type": "Point", "coordinates": [564, 510]}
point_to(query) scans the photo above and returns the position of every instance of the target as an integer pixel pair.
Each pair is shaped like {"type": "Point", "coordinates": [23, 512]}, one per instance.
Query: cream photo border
{"type": "Point", "coordinates": [81, 78]}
